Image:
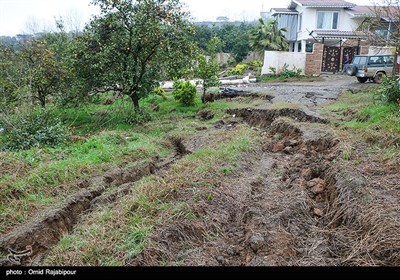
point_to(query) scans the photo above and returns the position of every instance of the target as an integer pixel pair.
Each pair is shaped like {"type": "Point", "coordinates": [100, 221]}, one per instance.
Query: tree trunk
{"type": "Point", "coordinates": [135, 100]}
{"type": "Point", "coordinates": [42, 100]}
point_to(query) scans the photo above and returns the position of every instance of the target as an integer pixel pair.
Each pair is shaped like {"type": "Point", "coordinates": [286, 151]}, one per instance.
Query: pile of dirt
{"type": "Point", "coordinates": [264, 118]}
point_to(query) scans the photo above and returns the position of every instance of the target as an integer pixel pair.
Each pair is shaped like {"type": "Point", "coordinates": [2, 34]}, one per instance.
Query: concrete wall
{"type": "Point", "coordinates": [278, 59]}
{"type": "Point", "coordinates": [382, 50]}
{"type": "Point", "coordinates": [223, 58]}
{"type": "Point", "coordinates": [309, 22]}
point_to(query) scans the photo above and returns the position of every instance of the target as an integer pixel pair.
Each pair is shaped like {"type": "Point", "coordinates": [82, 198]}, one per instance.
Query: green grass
{"type": "Point", "coordinates": [280, 78]}
{"type": "Point", "coordinates": [101, 139]}
{"type": "Point", "coordinates": [377, 122]}
{"type": "Point", "coordinates": [117, 234]}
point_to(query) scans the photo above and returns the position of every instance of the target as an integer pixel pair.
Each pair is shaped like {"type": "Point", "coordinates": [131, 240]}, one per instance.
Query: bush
{"type": "Point", "coordinates": [288, 73]}
{"type": "Point", "coordinates": [256, 64]}
{"type": "Point", "coordinates": [389, 90]}
{"type": "Point", "coordinates": [138, 118]}
{"type": "Point", "coordinates": [239, 69]}
{"type": "Point", "coordinates": [40, 128]}
{"type": "Point", "coordinates": [160, 92]}
{"type": "Point", "coordinates": [184, 92]}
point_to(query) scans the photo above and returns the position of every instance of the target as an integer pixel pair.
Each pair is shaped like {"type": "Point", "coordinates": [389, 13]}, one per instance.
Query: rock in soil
{"type": "Point", "coordinates": [256, 242]}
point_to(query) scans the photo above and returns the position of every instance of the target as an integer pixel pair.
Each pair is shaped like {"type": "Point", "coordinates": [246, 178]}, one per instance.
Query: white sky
{"type": "Point", "coordinates": [15, 15]}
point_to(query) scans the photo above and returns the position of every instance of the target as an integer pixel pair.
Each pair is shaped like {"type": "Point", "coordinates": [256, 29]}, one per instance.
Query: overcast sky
{"type": "Point", "coordinates": [21, 16]}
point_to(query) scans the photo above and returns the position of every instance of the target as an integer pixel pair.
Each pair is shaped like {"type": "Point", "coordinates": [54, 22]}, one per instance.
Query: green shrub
{"type": "Point", "coordinates": [289, 73]}
{"type": "Point", "coordinates": [256, 64]}
{"type": "Point", "coordinates": [239, 69]}
{"type": "Point", "coordinates": [141, 117]}
{"type": "Point", "coordinates": [160, 92]}
{"type": "Point", "coordinates": [184, 92]}
{"type": "Point", "coordinates": [24, 131]}
{"type": "Point", "coordinates": [389, 90]}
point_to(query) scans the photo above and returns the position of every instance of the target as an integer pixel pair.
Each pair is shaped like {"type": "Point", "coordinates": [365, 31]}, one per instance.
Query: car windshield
{"type": "Point", "coordinates": [360, 60]}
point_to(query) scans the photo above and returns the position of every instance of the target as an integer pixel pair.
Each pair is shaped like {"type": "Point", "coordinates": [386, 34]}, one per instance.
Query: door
{"type": "Point", "coordinates": [348, 54]}
{"type": "Point", "coordinates": [331, 60]}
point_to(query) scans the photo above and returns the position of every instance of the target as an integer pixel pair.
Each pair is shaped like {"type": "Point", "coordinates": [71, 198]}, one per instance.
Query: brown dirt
{"type": "Point", "coordinates": [293, 201]}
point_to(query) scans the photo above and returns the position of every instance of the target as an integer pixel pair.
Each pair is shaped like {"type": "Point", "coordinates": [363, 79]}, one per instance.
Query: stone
{"type": "Point", "coordinates": [256, 242]}
{"type": "Point", "coordinates": [318, 212]}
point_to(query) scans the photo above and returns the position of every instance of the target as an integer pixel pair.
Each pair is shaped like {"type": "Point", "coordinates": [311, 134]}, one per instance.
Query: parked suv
{"type": "Point", "coordinates": [371, 67]}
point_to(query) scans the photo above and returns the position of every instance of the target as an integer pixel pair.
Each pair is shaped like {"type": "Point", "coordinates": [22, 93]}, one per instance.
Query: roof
{"type": "Point", "coordinates": [335, 34]}
{"type": "Point", "coordinates": [359, 11]}
{"type": "Point", "coordinates": [321, 4]}
{"type": "Point", "coordinates": [283, 11]}
{"type": "Point", "coordinates": [388, 14]}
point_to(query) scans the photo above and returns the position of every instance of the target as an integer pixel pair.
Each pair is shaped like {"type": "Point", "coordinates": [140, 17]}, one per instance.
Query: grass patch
{"type": "Point", "coordinates": [377, 122]}
{"type": "Point", "coordinates": [101, 139]}
{"type": "Point", "coordinates": [274, 78]}
{"type": "Point", "coordinates": [118, 234]}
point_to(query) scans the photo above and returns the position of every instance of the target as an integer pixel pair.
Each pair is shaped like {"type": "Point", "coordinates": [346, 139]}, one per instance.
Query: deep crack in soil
{"type": "Point", "coordinates": [290, 202]}
{"type": "Point", "coordinates": [43, 232]}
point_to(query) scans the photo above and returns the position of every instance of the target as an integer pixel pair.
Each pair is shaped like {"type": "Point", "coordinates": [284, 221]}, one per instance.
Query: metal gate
{"type": "Point", "coordinates": [348, 54]}
{"type": "Point", "coordinates": [331, 60]}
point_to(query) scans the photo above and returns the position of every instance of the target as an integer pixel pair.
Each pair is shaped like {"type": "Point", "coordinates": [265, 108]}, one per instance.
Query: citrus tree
{"type": "Point", "coordinates": [132, 43]}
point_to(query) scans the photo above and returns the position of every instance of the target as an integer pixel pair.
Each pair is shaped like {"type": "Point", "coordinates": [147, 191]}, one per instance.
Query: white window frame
{"type": "Point", "coordinates": [332, 12]}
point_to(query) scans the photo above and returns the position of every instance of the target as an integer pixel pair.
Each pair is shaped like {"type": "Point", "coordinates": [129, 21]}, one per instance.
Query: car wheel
{"type": "Point", "coordinates": [379, 77]}
{"type": "Point", "coordinates": [362, 80]}
{"type": "Point", "coordinates": [351, 70]}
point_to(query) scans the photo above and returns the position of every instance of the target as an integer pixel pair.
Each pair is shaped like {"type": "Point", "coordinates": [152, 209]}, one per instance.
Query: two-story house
{"type": "Point", "coordinates": [339, 25]}
{"type": "Point", "coordinates": [327, 22]}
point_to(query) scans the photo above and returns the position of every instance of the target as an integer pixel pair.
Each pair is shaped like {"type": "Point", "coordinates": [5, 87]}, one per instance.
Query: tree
{"type": "Point", "coordinates": [11, 71]}
{"type": "Point", "coordinates": [65, 47]}
{"type": "Point", "coordinates": [383, 25]}
{"type": "Point", "coordinates": [268, 37]}
{"type": "Point", "coordinates": [132, 43]}
{"type": "Point", "coordinates": [208, 67]}
{"type": "Point", "coordinates": [235, 39]}
{"type": "Point", "coordinates": [42, 74]}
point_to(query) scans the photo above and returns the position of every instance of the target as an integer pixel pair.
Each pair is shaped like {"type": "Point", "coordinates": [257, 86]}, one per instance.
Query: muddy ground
{"type": "Point", "coordinates": [292, 200]}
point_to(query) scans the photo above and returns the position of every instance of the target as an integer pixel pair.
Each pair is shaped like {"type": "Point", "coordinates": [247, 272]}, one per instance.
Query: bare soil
{"type": "Point", "coordinates": [292, 200]}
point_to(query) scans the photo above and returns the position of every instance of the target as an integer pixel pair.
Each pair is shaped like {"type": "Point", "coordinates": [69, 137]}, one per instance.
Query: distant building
{"type": "Point", "coordinates": [23, 37]}
{"type": "Point", "coordinates": [223, 19]}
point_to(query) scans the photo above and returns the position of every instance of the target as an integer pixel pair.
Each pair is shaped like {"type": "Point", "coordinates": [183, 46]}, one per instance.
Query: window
{"type": "Point", "coordinates": [389, 60]}
{"type": "Point", "coordinates": [327, 20]}
{"type": "Point", "coordinates": [360, 60]}
{"type": "Point", "coordinates": [309, 47]}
